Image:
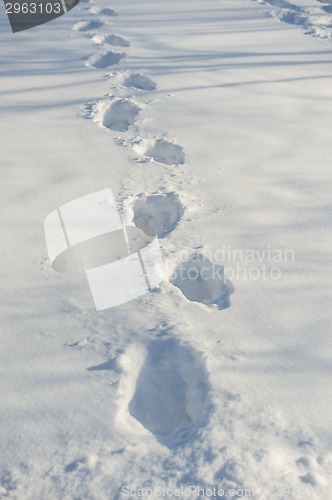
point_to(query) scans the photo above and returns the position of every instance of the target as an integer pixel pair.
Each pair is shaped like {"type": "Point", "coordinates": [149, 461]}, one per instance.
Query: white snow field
{"type": "Point", "coordinates": [210, 120]}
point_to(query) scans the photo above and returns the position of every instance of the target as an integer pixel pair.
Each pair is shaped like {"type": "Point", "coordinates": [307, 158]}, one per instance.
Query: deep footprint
{"type": "Point", "coordinates": [103, 12]}
{"type": "Point", "coordinates": [102, 61]}
{"type": "Point", "coordinates": [160, 150]}
{"type": "Point", "coordinates": [138, 81]}
{"type": "Point", "coordinates": [157, 213]}
{"type": "Point", "coordinates": [87, 25]}
{"type": "Point", "coordinates": [290, 17]}
{"type": "Point", "coordinates": [115, 40]}
{"type": "Point", "coordinates": [171, 392]}
{"type": "Point", "coordinates": [118, 115]}
{"type": "Point", "coordinates": [200, 280]}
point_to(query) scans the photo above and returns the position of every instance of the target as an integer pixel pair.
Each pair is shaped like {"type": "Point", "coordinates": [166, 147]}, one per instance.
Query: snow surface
{"type": "Point", "coordinates": [214, 129]}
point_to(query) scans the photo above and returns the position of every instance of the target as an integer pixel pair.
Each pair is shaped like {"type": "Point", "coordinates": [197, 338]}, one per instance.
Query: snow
{"type": "Point", "coordinates": [305, 13]}
{"type": "Point", "coordinates": [210, 122]}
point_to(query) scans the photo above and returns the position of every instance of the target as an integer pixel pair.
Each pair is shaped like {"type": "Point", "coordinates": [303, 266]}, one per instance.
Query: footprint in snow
{"type": "Point", "coordinates": [104, 60]}
{"type": "Point", "coordinates": [133, 81]}
{"type": "Point", "coordinates": [103, 11]}
{"type": "Point", "coordinates": [159, 150]}
{"type": "Point", "coordinates": [200, 280]}
{"type": "Point", "coordinates": [139, 81]}
{"type": "Point", "coordinates": [87, 25]}
{"type": "Point", "coordinates": [170, 393]}
{"type": "Point", "coordinates": [312, 470]}
{"type": "Point", "coordinates": [115, 40]}
{"type": "Point", "coordinates": [117, 114]}
{"type": "Point", "coordinates": [314, 479]}
{"type": "Point", "coordinates": [156, 213]}
{"type": "Point", "coordinates": [290, 17]}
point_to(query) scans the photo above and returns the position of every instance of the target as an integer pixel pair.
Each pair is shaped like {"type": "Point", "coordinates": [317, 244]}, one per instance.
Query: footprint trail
{"type": "Point", "coordinates": [315, 21]}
